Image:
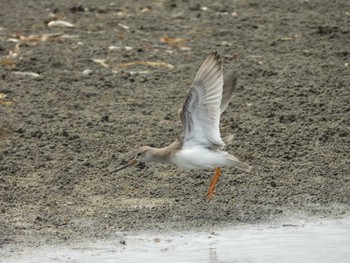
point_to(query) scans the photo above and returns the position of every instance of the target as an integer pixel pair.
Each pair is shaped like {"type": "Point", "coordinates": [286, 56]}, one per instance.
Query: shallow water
{"type": "Point", "coordinates": [327, 241]}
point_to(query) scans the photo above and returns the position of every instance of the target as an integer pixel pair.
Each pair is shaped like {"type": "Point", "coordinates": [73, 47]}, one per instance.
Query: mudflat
{"type": "Point", "coordinates": [88, 82]}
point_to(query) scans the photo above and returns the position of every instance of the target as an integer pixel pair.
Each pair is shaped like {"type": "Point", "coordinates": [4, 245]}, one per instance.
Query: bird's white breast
{"type": "Point", "coordinates": [197, 157]}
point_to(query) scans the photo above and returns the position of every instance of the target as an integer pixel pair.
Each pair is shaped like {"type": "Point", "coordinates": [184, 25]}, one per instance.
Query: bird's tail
{"type": "Point", "coordinates": [234, 162]}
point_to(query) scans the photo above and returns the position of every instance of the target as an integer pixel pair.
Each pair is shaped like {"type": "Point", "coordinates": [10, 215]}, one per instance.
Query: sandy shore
{"type": "Point", "coordinates": [91, 103]}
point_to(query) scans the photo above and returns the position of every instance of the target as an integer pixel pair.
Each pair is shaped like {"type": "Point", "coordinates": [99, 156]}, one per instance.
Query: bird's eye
{"type": "Point", "coordinates": [138, 154]}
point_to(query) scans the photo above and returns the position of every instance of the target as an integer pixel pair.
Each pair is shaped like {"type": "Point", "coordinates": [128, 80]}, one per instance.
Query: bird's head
{"type": "Point", "coordinates": [143, 154]}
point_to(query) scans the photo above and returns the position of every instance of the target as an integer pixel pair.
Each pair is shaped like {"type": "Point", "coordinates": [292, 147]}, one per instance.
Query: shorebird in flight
{"type": "Point", "coordinates": [200, 146]}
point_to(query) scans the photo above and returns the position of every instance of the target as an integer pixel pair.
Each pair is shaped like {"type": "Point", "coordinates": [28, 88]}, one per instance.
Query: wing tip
{"type": "Point", "coordinates": [216, 57]}
{"type": "Point", "coordinates": [213, 63]}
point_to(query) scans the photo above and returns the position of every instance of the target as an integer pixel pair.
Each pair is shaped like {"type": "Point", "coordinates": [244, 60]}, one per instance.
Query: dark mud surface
{"type": "Point", "coordinates": [68, 131]}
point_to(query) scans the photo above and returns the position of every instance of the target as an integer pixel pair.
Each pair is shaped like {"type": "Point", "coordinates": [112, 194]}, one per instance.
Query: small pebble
{"type": "Point", "coordinates": [60, 23]}
{"type": "Point", "coordinates": [225, 44]}
{"type": "Point", "coordinates": [87, 72]}
{"type": "Point", "coordinates": [113, 48]}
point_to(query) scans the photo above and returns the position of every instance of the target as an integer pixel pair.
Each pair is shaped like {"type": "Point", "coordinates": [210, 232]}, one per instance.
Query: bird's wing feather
{"type": "Point", "coordinates": [200, 114]}
{"type": "Point", "coordinates": [230, 83]}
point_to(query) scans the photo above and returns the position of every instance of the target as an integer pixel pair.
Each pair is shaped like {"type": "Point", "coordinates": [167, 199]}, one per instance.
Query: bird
{"type": "Point", "coordinates": [200, 146]}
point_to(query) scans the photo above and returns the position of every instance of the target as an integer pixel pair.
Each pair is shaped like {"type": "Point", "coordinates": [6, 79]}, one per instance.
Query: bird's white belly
{"type": "Point", "coordinates": [199, 158]}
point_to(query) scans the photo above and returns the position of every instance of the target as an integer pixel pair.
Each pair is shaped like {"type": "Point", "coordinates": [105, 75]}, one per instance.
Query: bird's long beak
{"type": "Point", "coordinates": [130, 163]}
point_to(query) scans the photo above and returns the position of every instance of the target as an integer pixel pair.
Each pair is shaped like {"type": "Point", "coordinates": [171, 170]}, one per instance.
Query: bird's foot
{"type": "Point", "coordinates": [210, 194]}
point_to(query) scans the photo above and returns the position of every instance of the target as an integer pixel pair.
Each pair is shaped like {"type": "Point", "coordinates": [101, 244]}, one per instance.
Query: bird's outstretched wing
{"type": "Point", "coordinates": [200, 114]}
{"type": "Point", "coordinates": [230, 83]}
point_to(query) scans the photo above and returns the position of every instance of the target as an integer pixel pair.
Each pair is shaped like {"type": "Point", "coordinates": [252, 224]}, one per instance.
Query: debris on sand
{"type": "Point", "coordinates": [174, 42]}
{"type": "Point", "coordinates": [125, 27]}
{"type": "Point", "coordinates": [34, 39]}
{"type": "Point", "coordinates": [146, 63]}
{"type": "Point", "coordinates": [112, 48]}
{"type": "Point", "coordinates": [27, 73]}
{"type": "Point", "coordinates": [102, 62]}
{"type": "Point", "coordinates": [132, 73]}
{"type": "Point", "coordinates": [87, 72]}
{"type": "Point", "coordinates": [60, 23]}
{"type": "Point", "coordinates": [6, 102]}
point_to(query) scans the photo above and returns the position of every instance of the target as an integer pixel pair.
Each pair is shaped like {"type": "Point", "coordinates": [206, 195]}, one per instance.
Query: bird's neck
{"type": "Point", "coordinates": [159, 155]}
{"type": "Point", "coordinates": [163, 155]}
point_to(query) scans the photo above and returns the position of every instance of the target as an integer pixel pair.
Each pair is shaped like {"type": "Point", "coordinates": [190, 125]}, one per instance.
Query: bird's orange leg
{"type": "Point", "coordinates": [211, 189]}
